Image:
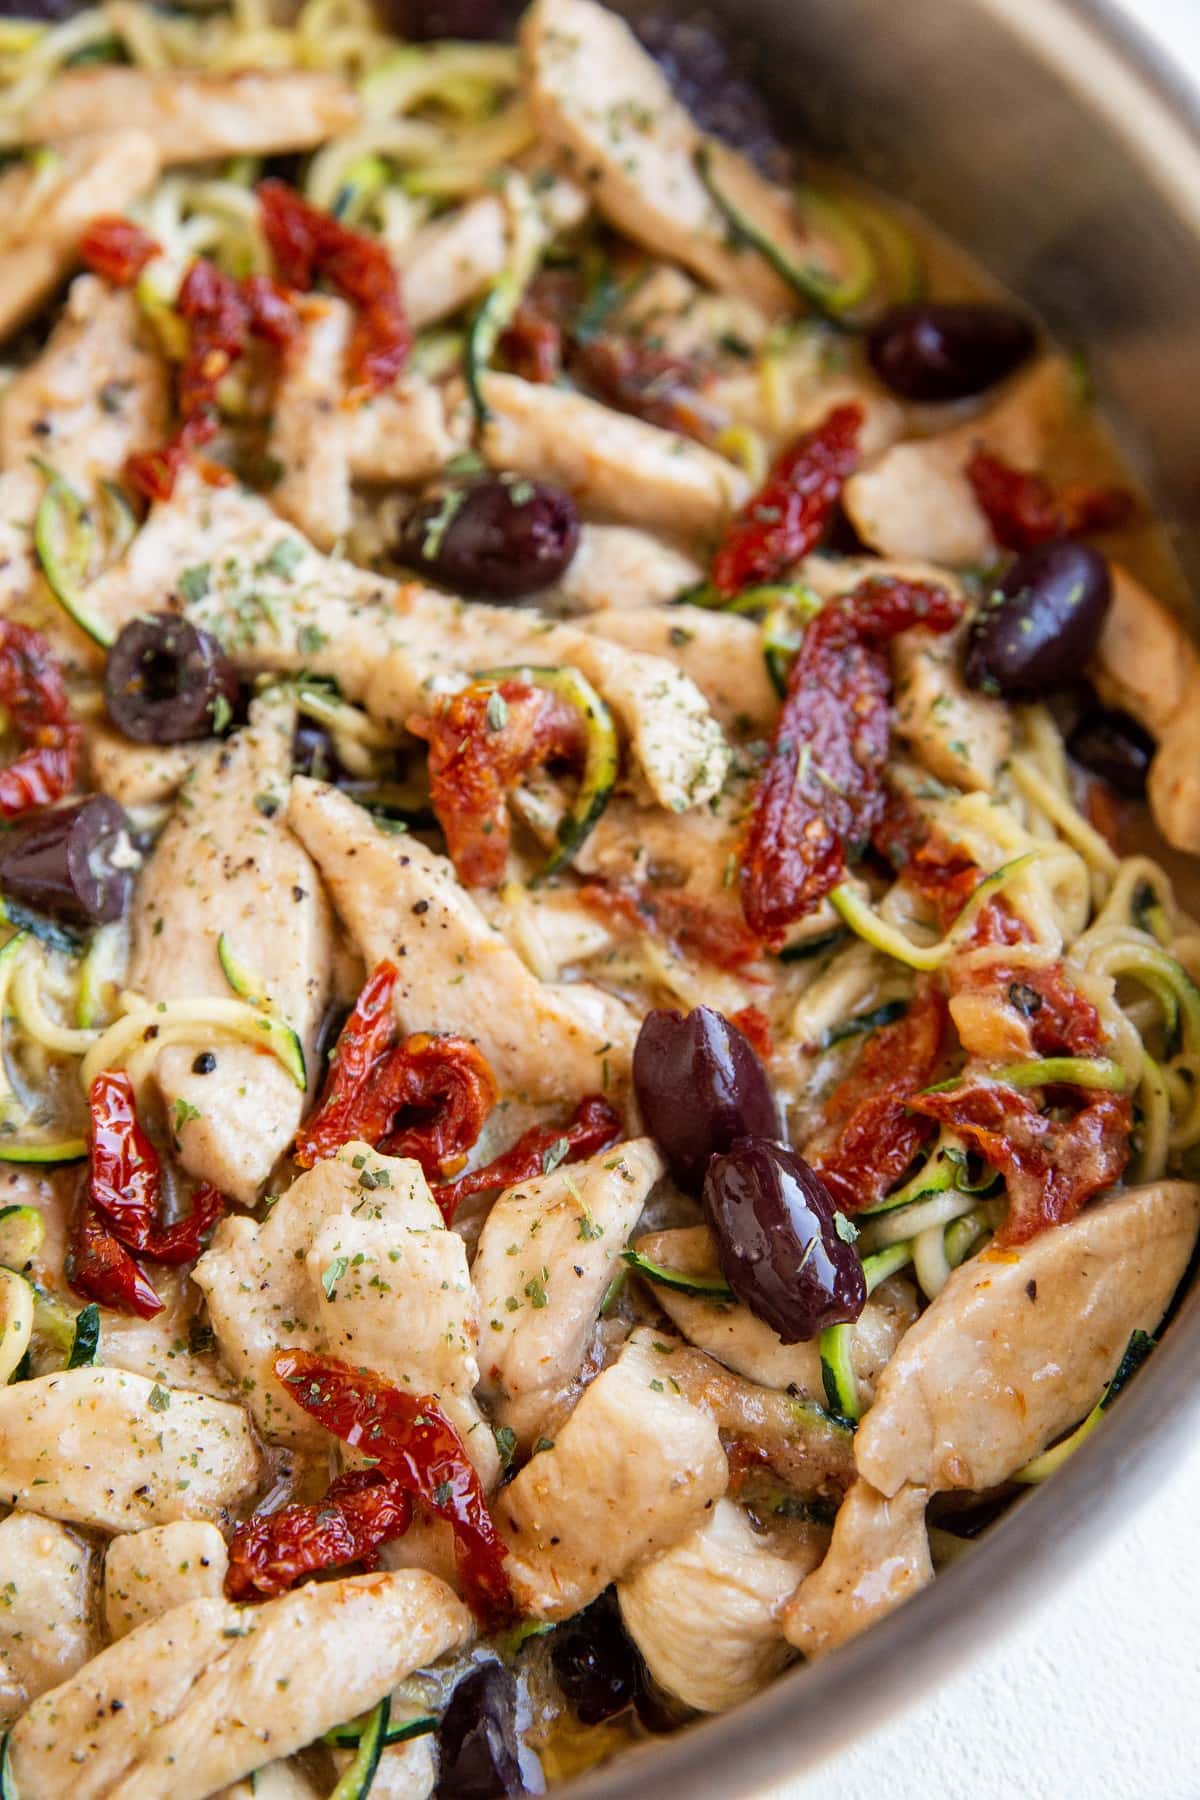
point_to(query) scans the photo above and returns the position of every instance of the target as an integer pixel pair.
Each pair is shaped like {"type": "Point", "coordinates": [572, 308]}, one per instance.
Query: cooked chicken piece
{"type": "Point", "coordinates": [354, 1261]}
{"type": "Point", "coordinates": [720, 652]}
{"type": "Point", "coordinates": [620, 567]}
{"type": "Point", "coordinates": [199, 1697]}
{"type": "Point", "coordinates": [635, 1468]}
{"type": "Point", "coordinates": [546, 1257]}
{"type": "Point", "coordinates": [227, 560]}
{"type": "Point", "coordinates": [604, 103]}
{"type": "Point", "coordinates": [110, 1450]}
{"type": "Point", "coordinates": [616, 466]}
{"type": "Point", "coordinates": [791, 392]}
{"type": "Point", "coordinates": [159, 1348]}
{"type": "Point", "coordinates": [196, 118]}
{"type": "Point", "coordinates": [960, 736]}
{"type": "Point", "coordinates": [456, 258]}
{"type": "Point", "coordinates": [405, 1771]}
{"type": "Point", "coordinates": [47, 1623]}
{"type": "Point", "coordinates": [1019, 1343]}
{"type": "Point", "coordinates": [705, 1616]}
{"type": "Point", "coordinates": [551, 929]}
{"type": "Point", "coordinates": [730, 1332]}
{"type": "Point", "coordinates": [812, 1452]}
{"type": "Point", "coordinates": [322, 442]}
{"type": "Point", "coordinates": [879, 1556]}
{"type": "Point", "coordinates": [1147, 663]}
{"type": "Point", "coordinates": [915, 499]}
{"type": "Point", "coordinates": [53, 1194]}
{"type": "Point", "coordinates": [146, 1573]}
{"type": "Point", "coordinates": [275, 1781]}
{"type": "Point", "coordinates": [227, 865]}
{"type": "Point", "coordinates": [137, 774]}
{"type": "Point", "coordinates": [47, 198]}
{"type": "Point", "coordinates": [672, 735]}
{"type": "Point", "coordinates": [401, 901]}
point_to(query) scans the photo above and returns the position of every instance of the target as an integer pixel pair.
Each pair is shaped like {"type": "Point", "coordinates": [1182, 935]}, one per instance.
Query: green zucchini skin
{"type": "Point", "coordinates": [704, 1287]}
{"type": "Point", "coordinates": [8, 1787]}
{"type": "Point", "coordinates": [62, 515]}
{"type": "Point", "coordinates": [85, 1346]}
{"type": "Point", "coordinates": [357, 1781]}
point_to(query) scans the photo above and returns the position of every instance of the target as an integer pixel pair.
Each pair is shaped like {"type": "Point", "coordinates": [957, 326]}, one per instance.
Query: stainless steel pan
{"type": "Point", "coordinates": [1051, 140]}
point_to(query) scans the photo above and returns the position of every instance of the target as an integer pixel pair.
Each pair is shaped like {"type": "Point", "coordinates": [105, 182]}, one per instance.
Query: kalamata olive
{"type": "Point", "coordinates": [1036, 631]}
{"type": "Point", "coordinates": [48, 12]}
{"type": "Point", "coordinates": [494, 537]}
{"type": "Point", "coordinates": [1114, 746]}
{"type": "Point", "coordinates": [313, 752]}
{"type": "Point", "coordinates": [421, 21]}
{"type": "Point", "coordinates": [166, 682]}
{"type": "Point", "coordinates": [778, 1241]}
{"type": "Point", "coordinates": [699, 1085]}
{"type": "Point", "coordinates": [701, 71]}
{"type": "Point", "coordinates": [477, 1738]}
{"type": "Point", "coordinates": [596, 1662]}
{"type": "Point", "coordinates": [61, 861]}
{"type": "Point", "coordinates": [929, 351]}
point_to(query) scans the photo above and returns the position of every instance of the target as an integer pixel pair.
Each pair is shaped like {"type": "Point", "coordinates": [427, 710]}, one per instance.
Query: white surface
{"type": "Point", "coordinates": [1096, 1695]}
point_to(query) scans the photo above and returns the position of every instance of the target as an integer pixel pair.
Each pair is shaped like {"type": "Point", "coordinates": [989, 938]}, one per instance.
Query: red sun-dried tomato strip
{"type": "Point", "coordinates": [309, 244]}
{"type": "Point", "coordinates": [482, 741]}
{"type": "Point", "coordinates": [822, 787]}
{"type": "Point", "coordinates": [410, 1441]}
{"type": "Point", "coordinates": [697, 924]}
{"type": "Point", "coordinates": [372, 1079]}
{"type": "Point", "coordinates": [1057, 1019]}
{"type": "Point", "coordinates": [754, 1025]}
{"type": "Point", "coordinates": [1025, 510]}
{"type": "Point", "coordinates": [99, 1268]}
{"type": "Point", "coordinates": [1051, 1167]}
{"type": "Point", "coordinates": [592, 1127]}
{"type": "Point", "coordinates": [786, 518]}
{"type": "Point", "coordinates": [875, 1135]}
{"type": "Point", "coordinates": [271, 1552]}
{"type": "Point", "coordinates": [650, 384]}
{"type": "Point", "coordinates": [221, 315]}
{"type": "Point", "coordinates": [117, 249]}
{"type": "Point", "coordinates": [33, 695]}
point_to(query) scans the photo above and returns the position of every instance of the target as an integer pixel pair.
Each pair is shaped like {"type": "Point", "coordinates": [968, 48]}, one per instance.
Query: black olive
{"type": "Point", "coordinates": [61, 861]}
{"type": "Point", "coordinates": [477, 1738]}
{"type": "Point", "coordinates": [313, 752]}
{"type": "Point", "coordinates": [1114, 746]}
{"type": "Point", "coordinates": [700, 69]}
{"type": "Point", "coordinates": [494, 537]}
{"type": "Point", "coordinates": [930, 351]}
{"type": "Point", "coordinates": [477, 21]}
{"type": "Point", "coordinates": [48, 12]}
{"type": "Point", "coordinates": [1036, 632]}
{"type": "Point", "coordinates": [165, 682]}
{"type": "Point", "coordinates": [778, 1243]}
{"type": "Point", "coordinates": [596, 1662]}
{"type": "Point", "coordinates": [699, 1085]}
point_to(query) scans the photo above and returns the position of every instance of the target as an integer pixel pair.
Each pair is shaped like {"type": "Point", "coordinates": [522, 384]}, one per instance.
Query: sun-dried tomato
{"type": "Point", "coordinates": [592, 1127]}
{"type": "Point", "coordinates": [1025, 510]}
{"type": "Point", "coordinates": [785, 519]}
{"type": "Point", "coordinates": [373, 1082]}
{"type": "Point", "coordinates": [98, 1268]}
{"type": "Point", "coordinates": [271, 1552]}
{"type": "Point", "coordinates": [34, 697]}
{"type": "Point", "coordinates": [821, 791]}
{"type": "Point", "coordinates": [308, 244]}
{"type": "Point", "coordinates": [534, 345]}
{"type": "Point", "coordinates": [410, 1440]}
{"type": "Point", "coordinates": [649, 384]}
{"type": "Point", "coordinates": [125, 1179]}
{"type": "Point", "coordinates": [482, 741]}
{"type": "Point", "coordinates": [117, 249]}
{"type": "Point", "coordinates": [754, 1024]}
{"type": "Point", "coordinates": [1051, 1166]}
{"type": "Point", "coordinates": [1056, 1018]}
{"type": "Point", "coordinates": [874, 1135]}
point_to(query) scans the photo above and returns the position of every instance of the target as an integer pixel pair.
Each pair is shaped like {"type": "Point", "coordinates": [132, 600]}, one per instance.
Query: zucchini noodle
{"type": "Point", "coordinates": [16, 1321]}
{"type": "Point", "coordinates": [148, 1027]}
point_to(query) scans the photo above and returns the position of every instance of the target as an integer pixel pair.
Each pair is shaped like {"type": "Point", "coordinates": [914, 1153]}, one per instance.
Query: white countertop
{"type": "Point", "coordinates": [1096, 1695]}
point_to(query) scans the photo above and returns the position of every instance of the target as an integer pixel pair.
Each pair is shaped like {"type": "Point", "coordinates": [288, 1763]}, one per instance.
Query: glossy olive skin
{"type": "Point", "coordinates": [1114, 747]}
{"type": "Point", "coordinates": [166, 682]}
{"type": "Point", "coordinates": [60, 862]}
{"type": "Point", "coordinates": [596, 1662]}
{"type": "Point", "coordinates": [943, 351]}
{"type": "Point", "coordinates": [478, 21]}
{"type": "Point", "coordinates": [477, 1738]}
{"type": "Point", "coordinates": [1036, 631]}
{"type": "Point", "coordinates": [777, 1240]}
{"type": "Point", "coordinates": [313, 752]}
{"type": "Point", "coordinates": [494, 537]}
{"type": "Point", "coordinates": [699, 1085]}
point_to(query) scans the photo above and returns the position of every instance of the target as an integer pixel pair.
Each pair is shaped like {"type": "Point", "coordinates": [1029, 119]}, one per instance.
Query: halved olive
{"type": "Point", "coordinates": [940, 351]}
{"type": "Point", "coordinates": [1036, 631]}
{"type": "Point", "coordinates": [166, 682]}
{"type": "Point", "coordinates": [61, 861]}
{"type": "Point", "coordinates": [700, 1085]}
{"type": "Point", "coordinates": [1114, 746]}
{"type": "Point", "coordinates": [478, 1757]}
{"type": "Point", "coordinates": [493, 537]}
